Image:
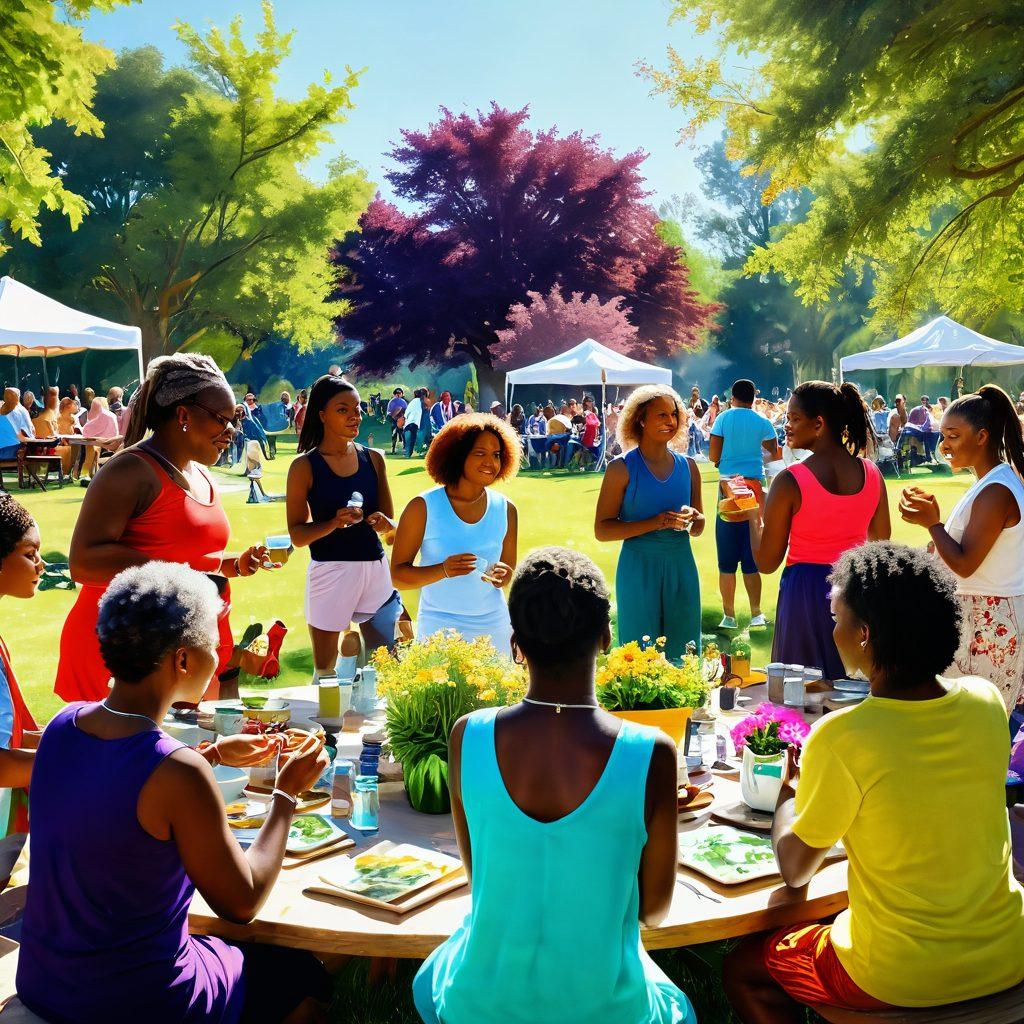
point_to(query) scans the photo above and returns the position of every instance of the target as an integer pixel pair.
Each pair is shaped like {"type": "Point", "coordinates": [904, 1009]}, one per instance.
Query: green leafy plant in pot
{"type": "Point", "coordinates": [429, 685]}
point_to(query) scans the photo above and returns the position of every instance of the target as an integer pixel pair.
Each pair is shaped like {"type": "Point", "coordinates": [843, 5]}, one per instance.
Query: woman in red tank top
{"type": "Point", "coordinates": [156, 501]}
{"type": "Point", "coordinates": [833, 501]}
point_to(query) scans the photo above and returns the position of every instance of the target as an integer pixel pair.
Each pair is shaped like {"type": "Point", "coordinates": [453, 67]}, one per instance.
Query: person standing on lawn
{"type": "Point", "coordinates": [155, 500]}
{"type": "Point", "coordinates": [128, 823]}
{"type": "Point", "coordinates": [738, 437]}
{"type": "Point", "coordinates": [349, 579]}
{"type": "Point", "coordinates": [982, 542]}
{"type": "Point", "coordinates": [816, 509]}
{"type": "Point", "coordinates": [935, 915]}
{"type": "Point", "coordinates": [651, 500]}
{"type": "Point", "coordinates": [464, 532]}
{"type": "Point", "coordinates": [396, 416]}
{"type": "Point", "coordinates": [567, 853]}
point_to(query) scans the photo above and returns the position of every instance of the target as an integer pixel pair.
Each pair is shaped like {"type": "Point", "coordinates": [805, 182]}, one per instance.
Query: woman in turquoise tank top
{"type": "Point", "coordinates": [651, 501]}
{"type": "Point", "coordinates": [566, 821]}
{"type": "Point", "coordinates": [463, 531]}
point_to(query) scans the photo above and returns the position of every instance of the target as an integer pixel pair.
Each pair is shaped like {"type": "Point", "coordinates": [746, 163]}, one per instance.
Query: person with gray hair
{"type": "Point", "coordinates": [127, 823]}
{"type": "Point", "coordinates": [157, 500]}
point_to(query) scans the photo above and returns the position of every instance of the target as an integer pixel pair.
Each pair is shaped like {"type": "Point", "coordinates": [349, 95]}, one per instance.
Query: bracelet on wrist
{"type": "Point", "coordinates": [238, 566]}
{"type": "Point", "coordinates": [444, 569]}
{"type": "Point", "coordinates": [294, 801]}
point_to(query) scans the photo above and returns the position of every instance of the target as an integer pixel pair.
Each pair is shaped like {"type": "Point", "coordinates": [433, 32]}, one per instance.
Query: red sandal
{"type": "Point", "coordinates": [275, 637]}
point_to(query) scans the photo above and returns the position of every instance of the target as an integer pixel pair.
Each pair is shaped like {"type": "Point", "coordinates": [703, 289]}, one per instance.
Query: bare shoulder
{"type": "Point", "coordinates": [377, 458]}
{"type": "Point", "coordinates": [300, 468]}
{"type": "Point", "coordinates": [617, 471]}
{"type": "Point", "coordinates": [185, 771]}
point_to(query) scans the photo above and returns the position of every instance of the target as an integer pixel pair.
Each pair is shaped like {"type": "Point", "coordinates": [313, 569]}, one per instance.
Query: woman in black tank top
{"type": "Point", "coordinates": [339, 506]}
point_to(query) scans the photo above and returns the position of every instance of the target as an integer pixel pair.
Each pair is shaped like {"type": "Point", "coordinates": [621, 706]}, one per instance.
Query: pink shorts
{"type": "Point", "coordinates": [340, 593]}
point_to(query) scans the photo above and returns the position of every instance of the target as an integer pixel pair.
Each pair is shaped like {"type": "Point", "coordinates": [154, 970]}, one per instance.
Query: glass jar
{"type": "Point", "coordinates": [366, 804]}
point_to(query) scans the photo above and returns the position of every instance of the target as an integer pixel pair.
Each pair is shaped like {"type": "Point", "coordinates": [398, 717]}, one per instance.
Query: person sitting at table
{"type": "Point", "coordinates": [19, 420]}
{"type": "Point", "coordinates": [128, 823]}
{"type": "Point", "coordinates": [101, 424]}
{"type": "Point", "coordinates": [935, 916]}
{"type": "Point", "coordinates": [67, 424]}
{"type": "Point", "coordinates": [20, 569]}
{"type": "Point", "coordinates": [589, 436]}
{"type": "Point", "coordinates": [568, 853]}
{"type": "Point", "coordinates": [920, 426]}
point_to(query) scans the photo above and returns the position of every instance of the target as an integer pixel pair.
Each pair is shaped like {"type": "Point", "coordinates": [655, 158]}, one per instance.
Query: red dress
{"type": "Point", "coordinates": [177, 527]}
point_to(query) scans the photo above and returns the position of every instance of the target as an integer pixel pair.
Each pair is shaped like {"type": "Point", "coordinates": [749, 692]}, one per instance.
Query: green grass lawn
{"type": "Point", "coordinates": [553, 508]}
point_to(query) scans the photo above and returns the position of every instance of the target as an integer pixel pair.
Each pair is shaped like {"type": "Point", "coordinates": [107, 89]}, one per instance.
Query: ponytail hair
{"type": "Point", "coordinates": [843, 411]}
{"type": "Point", "coordinates": [323, 390]}
{"type": "Point", "coordinates": [170, 381]}
{"type": "Point", "coordinates": [991, 408]}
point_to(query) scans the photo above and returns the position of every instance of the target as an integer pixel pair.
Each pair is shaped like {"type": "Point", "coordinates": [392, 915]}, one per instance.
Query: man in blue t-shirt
{"type": "Point", "coordinates": [737, 438]}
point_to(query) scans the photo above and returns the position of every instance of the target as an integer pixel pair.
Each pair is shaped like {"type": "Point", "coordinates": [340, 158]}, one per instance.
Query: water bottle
{"type": "Point", "coordinates": [365, 696]}
{"type": "Point", "coordinates": [356, 501]}
{"type": "Point", "coordinates": [366, 804]}
{"type": "Point", "coordinates": [341, 790]}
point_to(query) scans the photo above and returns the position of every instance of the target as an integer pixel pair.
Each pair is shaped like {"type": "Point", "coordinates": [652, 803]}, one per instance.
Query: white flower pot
{"type": "Point", "coordinates": [761, 779]}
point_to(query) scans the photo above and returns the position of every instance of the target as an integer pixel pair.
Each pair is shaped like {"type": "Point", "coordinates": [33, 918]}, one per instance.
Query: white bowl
{"type": "Point", "coordinates": [188, 734]}
{"type": "Point", "coordinates": [230, 781]}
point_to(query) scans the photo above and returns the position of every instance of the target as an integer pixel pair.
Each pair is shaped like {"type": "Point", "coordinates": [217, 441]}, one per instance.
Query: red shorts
{"type": "Point", "coordinates": [803, 962]}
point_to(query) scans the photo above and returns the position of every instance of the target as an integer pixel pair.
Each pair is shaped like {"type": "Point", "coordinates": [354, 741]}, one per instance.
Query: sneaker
{"type": "Point", "coordinates": [728, 622]}
{"type": "Point", "coordinates": [758, 621]}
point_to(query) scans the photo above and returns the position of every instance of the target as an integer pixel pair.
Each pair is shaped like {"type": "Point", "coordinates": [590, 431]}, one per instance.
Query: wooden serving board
{"type": "Point", "coordinates": [744, 817]}
{"type": "Point", "coordinates": [294, 860]}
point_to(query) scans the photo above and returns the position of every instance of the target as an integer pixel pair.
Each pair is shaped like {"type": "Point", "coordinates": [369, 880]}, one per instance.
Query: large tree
{"type": "Point", "coordinates": [545, 325]}
{"type": "Point", "coordinates": [765, 331]}
{"type": "Point", "coordinates": [502, 211]}
{"type": "Point", "coordinates": [202, 219]}
{"type": "Point", "coordinates": [906, 121]}
{"type": "Point", "coordinates": [47, 72]}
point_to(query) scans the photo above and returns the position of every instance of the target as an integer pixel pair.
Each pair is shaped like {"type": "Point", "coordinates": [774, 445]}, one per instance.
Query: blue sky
{"type": "Point", "coordinates": [572, 61]}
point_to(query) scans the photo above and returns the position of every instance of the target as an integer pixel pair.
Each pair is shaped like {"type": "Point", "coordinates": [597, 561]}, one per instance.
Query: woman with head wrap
{"type": "Point", "coordinates": [156, 500]}
{"type": "Point", "coordinates": [100, 424]}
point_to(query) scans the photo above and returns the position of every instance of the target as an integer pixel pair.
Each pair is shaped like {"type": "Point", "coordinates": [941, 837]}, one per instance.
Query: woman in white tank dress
{"type": "Point", "coordinates": [983, 539]}
{"type": "Point", "coordinates": [463, 532]}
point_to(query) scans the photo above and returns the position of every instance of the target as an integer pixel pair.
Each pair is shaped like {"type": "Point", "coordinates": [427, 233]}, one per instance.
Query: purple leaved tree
{"type": "Point", "coordinates": [502, 212]}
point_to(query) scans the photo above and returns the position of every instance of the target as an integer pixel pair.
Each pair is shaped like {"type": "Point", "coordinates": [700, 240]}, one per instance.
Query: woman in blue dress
{"type": "Point", "coordinates": [566, 822]}
{"type": "Point", "coordinates": [651, 501]}
{"type": "Point", "coordinates": [463, 532]}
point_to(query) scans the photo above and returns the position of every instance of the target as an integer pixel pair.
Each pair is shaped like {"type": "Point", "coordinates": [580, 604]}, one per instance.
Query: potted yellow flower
{"type": "Point", "coordinates": [637, 682]}
{"type": "Point", "coordinates": [428, 686]}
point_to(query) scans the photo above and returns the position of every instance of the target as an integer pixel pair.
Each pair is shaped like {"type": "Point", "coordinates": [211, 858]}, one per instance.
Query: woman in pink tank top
{"type": "Point", "coordinates": [833, 501]}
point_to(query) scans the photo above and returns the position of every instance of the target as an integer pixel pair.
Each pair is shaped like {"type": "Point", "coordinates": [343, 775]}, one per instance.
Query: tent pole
{"type": "Point", "coordinates": [604, 428]}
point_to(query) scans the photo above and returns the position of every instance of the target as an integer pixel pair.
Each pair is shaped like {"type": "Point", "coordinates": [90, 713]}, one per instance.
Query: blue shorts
{"type": "Point", "coordinates": [733, 543]}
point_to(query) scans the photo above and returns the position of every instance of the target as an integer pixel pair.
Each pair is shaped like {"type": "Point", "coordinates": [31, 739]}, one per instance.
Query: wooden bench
{"type": "Point", "coordinates": [11, 1009]}
{"type": "Point", "coordinates": [1002, 1008]}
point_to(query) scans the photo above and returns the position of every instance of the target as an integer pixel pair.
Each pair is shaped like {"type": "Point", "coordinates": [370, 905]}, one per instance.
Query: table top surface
{"type": "Point", "coordinates": [290, 917]}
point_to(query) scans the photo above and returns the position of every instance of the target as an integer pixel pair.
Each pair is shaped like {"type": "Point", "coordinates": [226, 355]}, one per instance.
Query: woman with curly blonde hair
{"type": "Point", "coordinates": [464, 532]}
{"type": "Point", "coordinates": [651, 500]}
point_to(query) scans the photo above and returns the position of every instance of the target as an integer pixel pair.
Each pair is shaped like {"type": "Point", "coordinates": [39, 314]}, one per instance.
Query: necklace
{"type": "Point", "coordinates": [128, 714]}
{"type": "Point", "coordinates": [469, 501]}
{"type": "Point", "coordinates": [558, 707]}
{"type": "Point", "coordinates": [167, 462]}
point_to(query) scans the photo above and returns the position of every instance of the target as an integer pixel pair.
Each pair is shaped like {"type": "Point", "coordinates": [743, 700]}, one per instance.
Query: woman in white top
{"type": "Point", "coordinates": [463, 532]}
{"type": "Point", "coordinates": [983, 539]}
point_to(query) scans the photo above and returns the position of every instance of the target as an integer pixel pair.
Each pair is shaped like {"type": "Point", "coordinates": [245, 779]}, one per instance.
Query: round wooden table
{"type": "Point", "coordinates": [290, 917]}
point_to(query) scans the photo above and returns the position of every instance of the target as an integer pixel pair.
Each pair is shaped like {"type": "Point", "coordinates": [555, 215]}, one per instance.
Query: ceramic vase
{"type": "Point", "coordinates": [761, 779]}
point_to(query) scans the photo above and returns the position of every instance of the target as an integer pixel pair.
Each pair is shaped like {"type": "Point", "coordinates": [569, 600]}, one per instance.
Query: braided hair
{"type": "Point", "coordinates": [559, 606]}
{"type": "Point", "coordinates": [843, 410]}
{"type": "Point", "coordinates": [15, 522]}
{"type": "Point", "coordinates": [992, 409]}
{"type": "Point", "coordinates": [170, 380]}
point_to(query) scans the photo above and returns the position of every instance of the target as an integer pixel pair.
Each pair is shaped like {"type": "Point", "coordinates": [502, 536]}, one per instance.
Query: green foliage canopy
{"type": "Point", "coordinates": [906, 121]}
{"type": "Point", "coordinates": [47, 72]}
{"type": "Point", "coordinates": [203, 220]}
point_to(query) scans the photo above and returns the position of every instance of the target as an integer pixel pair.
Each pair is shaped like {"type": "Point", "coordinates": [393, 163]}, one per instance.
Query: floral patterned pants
{"type": "Point", "coordinates": [991, 645]}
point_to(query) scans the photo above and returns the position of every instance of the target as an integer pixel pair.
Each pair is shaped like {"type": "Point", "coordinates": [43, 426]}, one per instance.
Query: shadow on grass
{"type": "Point", "coordinates": [697, 970]}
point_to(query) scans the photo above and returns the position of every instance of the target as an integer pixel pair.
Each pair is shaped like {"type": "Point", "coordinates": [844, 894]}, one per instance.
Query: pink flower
{"type": "Point", "coordinates": [792, 728]}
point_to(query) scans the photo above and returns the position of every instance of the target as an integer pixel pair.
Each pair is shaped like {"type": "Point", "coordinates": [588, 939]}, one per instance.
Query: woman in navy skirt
{"type": "Point", "coordinates": [832, 501]}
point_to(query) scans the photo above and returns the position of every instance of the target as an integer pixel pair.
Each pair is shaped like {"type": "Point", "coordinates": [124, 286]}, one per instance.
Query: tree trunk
{"type": "Point", "coordinates": [491, 383]}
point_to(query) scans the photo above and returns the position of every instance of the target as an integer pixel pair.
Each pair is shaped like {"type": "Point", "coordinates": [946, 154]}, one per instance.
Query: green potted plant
{"type": "Point", "coordinates": [429, 685]}
{"type": "Point", "coordinates": [636, 681]}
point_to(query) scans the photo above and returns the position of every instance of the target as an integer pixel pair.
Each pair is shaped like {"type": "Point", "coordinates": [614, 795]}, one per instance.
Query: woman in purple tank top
{"type": "Point", "coordinates": [127, 823]}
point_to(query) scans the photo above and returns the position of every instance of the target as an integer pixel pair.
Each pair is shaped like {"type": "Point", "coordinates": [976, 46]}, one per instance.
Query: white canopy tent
{"type": "Point", "coordinates": [941, 342]}
{"type": "Point", "coordinates": [587, 363]}
{"type": "Point", "coordinates": [32, 324]}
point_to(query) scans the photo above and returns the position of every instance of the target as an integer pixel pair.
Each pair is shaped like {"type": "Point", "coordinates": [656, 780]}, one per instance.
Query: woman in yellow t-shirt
{"type": "Point", "coordinates": [935, 915]}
